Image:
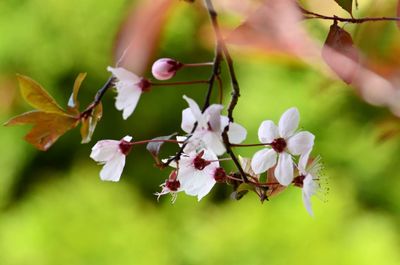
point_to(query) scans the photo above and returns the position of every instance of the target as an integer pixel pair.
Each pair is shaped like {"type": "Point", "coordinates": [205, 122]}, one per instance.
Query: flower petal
{"type": "Point", "coordinates": [213, 116]}
{"type": "Point", "coordinates": [309, 188]}
{"type": "Point", "coordinates": [289, 122]}
{"type": "Point", "coordinates": [213, 141]}
{"type": "Point", "coordinates": [303, 162]}
{"type": "Point", "coordinates": [196, 111]}
{"type": "Point", "coordinates": [113, 168]}
{"type": "Point", "coordinates": [284, 169]}
{"type": "Point", "coordinates": [104, 150]}
{"type": "Point", "coordinates": [237, 133]}
{"type": "Point", "coordinates": [124, 75]}
{"type": "Point", "coordinates": [263, 160]}
{"type": "Point", "coordinates": [301, 143]}
{"type": "Point", "coordinates": [127, 100]}
{"type": "Point", "coordinates": [267, 132]}
{"type": "Point", "coordinates": [188, 120]}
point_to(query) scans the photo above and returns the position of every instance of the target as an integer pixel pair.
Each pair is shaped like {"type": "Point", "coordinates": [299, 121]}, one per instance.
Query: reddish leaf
{"type": "Point", "coordinates": [35, 95]}
{"type": "Point", "coordinates": [346, 5]}
{"type": "Point", "coordinates": [340, 54]}
{"type": "Point", "coordinates": [47, 127]}
{"type": "Point", "coordinates": [73, 103]}
{"type": "Point", "coordinates": [138, 36]}
{"type": "Point", "coordinates": [155, 147]}
{"type": "Point", "coordinates": [89, 124]}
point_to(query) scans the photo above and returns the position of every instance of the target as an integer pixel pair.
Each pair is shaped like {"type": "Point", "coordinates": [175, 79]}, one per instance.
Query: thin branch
{"type": "Point", "coordinates": [97, 98]}
{"type": "Point", "coordinates": [312, 15]}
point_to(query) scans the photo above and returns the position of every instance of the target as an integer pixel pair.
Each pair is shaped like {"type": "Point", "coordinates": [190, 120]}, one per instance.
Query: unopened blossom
{"type": "Point", "coordinates": [165, 68]}
{"type": "Point", "coordinates": [282, 143]}
{"type": "Point", "coordinates": [210, 125]}
{"type": "Point", "coordinates": [111, 154]}
{"type": "Point", "coordinates": [308, 179]}
{"type": "Point", "coordinates": [197, 171]}
{"type": "Point", "coordinates": [129, 88]}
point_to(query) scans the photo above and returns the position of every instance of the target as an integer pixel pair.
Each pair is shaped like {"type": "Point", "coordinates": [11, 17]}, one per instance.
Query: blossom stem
{"type": "Point", "coordinates": [312, 15]}
{"type": "Point", "coordinates": [97, 98]}
{"type": "Point", "coordinates": [181, 83]}
{"type": "Point", "coordinates": [198, 64]}
{"type": "Point", "coordinates": [249, 145]}
{"type": "Point", "coordinates": [155, 141]}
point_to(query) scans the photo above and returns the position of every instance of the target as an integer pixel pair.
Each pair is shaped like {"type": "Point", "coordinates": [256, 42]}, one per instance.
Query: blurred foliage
{"type": "Point", "coordinates": [55, 210]}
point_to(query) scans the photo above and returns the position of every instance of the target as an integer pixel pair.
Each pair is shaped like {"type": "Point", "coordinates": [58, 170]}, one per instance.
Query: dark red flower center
{"type": "Point", "coordinates": [220, 175]}
{"type": "Point", "coordinates": [144, 84]}
{"type": "Point", "coordinates": [298, 181]}
{"type": "Point", "coordinates": [125, 147]}
{"type": "Point", "coordinates": [175, 65]}
{"type": "Point", "coordinates": [200, 163]}
{"type": "Point", "coordinates": [279, 145]}
{"type": "Point", "coordinates": [173, 185]}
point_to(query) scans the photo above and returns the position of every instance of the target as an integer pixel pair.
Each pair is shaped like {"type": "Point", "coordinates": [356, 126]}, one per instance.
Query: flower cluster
{"type": "Point", "coordinates": [208, 137]}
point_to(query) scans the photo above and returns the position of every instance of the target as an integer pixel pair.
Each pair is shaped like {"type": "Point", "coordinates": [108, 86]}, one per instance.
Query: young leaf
{"type": "Point", "coordinates": [89, 123]}
{"type": "Point", "coordinates": [47, 127]}
{"type": "Point", "coordinates": [340, 54]}
{"type": "Point", "coordinates": [155, 147]}
{"type": "Point", "coordinates": [35, 95]}
{"type": "Point", "coordinates": [73, 103]}
{"type": "Point", "coordinates": [346, 5]}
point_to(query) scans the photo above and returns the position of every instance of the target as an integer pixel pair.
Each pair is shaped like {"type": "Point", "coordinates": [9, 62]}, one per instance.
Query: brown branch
{"type": "Point", "coordinates": [312, 15]}
{"type": "Point", "coordinates": [97, 98]}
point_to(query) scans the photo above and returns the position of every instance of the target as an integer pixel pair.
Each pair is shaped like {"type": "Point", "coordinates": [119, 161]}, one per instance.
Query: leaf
{"type": "Point", "coordinates": [138, 37]}
{"type": "Point", "coordinates": [340, 54]}
{"type": "Point", "coordinates": [89, 123]}
{"type": "Point", "coordinates": [35, 95]}
{"type": "Point", "coordinates": [155, 147]}
{"type": "Point", "coordinates": [73, 103]}
{"type": "Point", "coordinates": [47, 127]}
{"type": "Point", "coordinates": [346, 5]}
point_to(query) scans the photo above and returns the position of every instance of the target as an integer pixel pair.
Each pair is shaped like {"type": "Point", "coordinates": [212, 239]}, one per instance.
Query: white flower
{"type": "Point", "coordinates": [111, 154]}
{"type": "Point", "coordinates": [129, 88]}
{"type": "Point", "coordinates": [210, 125]}
{"type": "Point", "coordinates": [309, 175]}
{"type": "Point", "coordinates": [196, 173]}
{"type": "Point", "coordinates": [284, 143]}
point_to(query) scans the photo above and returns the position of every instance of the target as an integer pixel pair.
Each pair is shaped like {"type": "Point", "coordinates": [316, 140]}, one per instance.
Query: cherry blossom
{"type": "Point", "coordinates": [210, 125]}
{"type": "Point", "coordinates": [283, 142]}
{"type": "Point", "coordinates": [197, 172]}
{"type": "Point", "coordinates": [165, 68]}
{"type": "Point", "coordinates": [309, 176]}
{"type": "Point", "coordinates": [111, 154]}
{"type": "Point", "coordinates": [129, 88]}
{"type": "Point", "coordinates": [170, 186]}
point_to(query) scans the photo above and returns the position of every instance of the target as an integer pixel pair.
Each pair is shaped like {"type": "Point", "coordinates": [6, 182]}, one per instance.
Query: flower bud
{"type": "Point", "coordinates": [165, 68]}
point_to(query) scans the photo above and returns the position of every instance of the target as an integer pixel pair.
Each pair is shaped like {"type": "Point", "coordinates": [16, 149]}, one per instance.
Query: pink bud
{"type": "Point", "coordinates": [165, 68]}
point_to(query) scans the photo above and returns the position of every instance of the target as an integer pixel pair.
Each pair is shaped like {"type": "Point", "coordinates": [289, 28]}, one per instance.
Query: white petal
{"type": "Point", "coordinates": [300, 143]}
{"type": "Point", "coordinates": [127, 138]}
{"type": "Point", "coordinates": [206, 188]}
{"type": "Point", "coordinates": [237, 133]}
{"type": "Point", "coordinates": [213, 116]}
{"type": "Point", "coordinates": [289, 122]}
{"type": "Point", "coordinates": [284, 169]}
{"type": "Point", "coordinates": [127, 100]}
{"type": "Point", "coordinates": [267, 132]}
{"type": "Point", "coordinates": [213, 141]}
{"type": "Point", "coordinates": [263, 160]}
{"type": "Point", "coordinates": [307, 204]}
{"type": "Point", "coordinates": [112, 170]}
{"type": "Point", "coordinates": [303, 162]}
{"type": "Point", "coordinates": [104, 150]}
{"type": "Point", "coordinates": [188, 120]}
{"type": "Point", "coordinates": [309, 189]}
{"type": "Point", "coordinates": [195, 111]}
{"type": "Point", "coordinates": [124, 75]}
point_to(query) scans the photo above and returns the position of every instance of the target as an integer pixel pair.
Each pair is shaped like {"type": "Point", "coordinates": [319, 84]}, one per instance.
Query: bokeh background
{"type": "Point", "coordinates": [55, 210]}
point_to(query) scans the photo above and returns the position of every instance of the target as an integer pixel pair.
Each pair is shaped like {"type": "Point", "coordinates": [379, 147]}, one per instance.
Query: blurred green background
{"type": "Point", "coordinates": [55, 210]}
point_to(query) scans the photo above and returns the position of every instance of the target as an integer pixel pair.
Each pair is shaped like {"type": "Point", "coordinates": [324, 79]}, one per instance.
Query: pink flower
{"type": "Point", "coordinates": [165, 68]}
{"type": "Point", "coordinates": [129, 88]}
{"type": "Point", "coordinates": [111, 154]}
{"type": "Point", "coordinates": [210, 125]}
{"type": "Point", "coordinates": [283, 142]}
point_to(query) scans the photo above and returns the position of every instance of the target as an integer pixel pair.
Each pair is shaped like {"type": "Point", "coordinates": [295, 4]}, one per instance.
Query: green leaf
{"type": "Point", "coordinates": [89, 123]}
{"type": "Point", "coordinates": [35, 95]}
{"type": "Point", "coordinates": [346, 5]}
{"type": "Point", "coordinates": [47, 127]}
{"type": "Point", "coordinates": [73, 103]}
